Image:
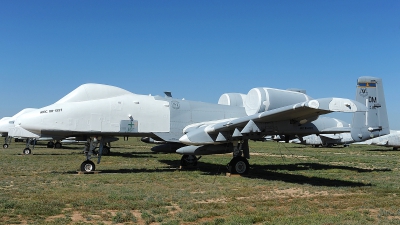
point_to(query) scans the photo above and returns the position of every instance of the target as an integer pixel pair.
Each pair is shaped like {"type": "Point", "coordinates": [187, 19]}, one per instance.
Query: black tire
{"type": "Point", "coordinates": [395, 148]}
{"type": "Point", "coordinates": [238, 165]}
{"type": "Point", "coordinates": [88, 166]}
{"type": "Point", "coordinates": [5, 146]}
{"type": "Point", "coordinates": [27, 151]}
{"type": "Point", "coordinates": [50, 144]}
{"type": "Point", "coordinates": [57, 145]}
{"type": "Point", "coordinates": [106, 150]}
{"type": "Point", "coordinates": [189, 160]}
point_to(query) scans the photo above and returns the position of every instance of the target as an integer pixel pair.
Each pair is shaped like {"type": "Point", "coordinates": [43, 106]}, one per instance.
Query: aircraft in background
{"type": "Point", "coordinates": [7, 123]}
{"type": "Point", "coordinates": [389, 140]}
{"type": "Point", "coordinates": [325, 140]}
{"type": "Point", "coordinates": [98, 112]}
{"type": "Point", "coordinates": [9, 131]}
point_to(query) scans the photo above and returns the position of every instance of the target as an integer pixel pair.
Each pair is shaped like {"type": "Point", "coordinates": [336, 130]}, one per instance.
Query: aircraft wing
{"type": "Point", "coordinates": [199, 134]}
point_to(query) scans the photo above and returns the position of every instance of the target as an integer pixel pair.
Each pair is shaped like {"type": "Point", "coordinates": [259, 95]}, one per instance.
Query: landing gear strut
{"type": "Point", "coordinates": [239, 163]}
{"type": "Point", "coordinates": [89, 150]}
{"type": "Point", "coordinates": [27, 150]}
{"type": "Point", "coordinates": [7, 141]}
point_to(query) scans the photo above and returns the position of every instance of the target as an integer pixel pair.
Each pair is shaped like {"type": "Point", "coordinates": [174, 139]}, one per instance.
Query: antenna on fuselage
{"type": "Point", "coordinates": [168, 94]}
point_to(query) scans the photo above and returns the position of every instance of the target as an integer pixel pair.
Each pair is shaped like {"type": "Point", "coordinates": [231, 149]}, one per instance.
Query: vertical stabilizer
{"type": "Point", "coordinates": [374, 122]}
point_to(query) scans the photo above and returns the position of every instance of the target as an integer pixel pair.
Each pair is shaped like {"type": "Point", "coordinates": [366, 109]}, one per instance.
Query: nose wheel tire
{"type": "Point", "coordinates": [5, 146]}
{"type": "Point", "coordinates": [27, 151]}
{"type": "Point", "coordinates": [88, 166]}
{"type": "Point", "coordinates": [238, 165]}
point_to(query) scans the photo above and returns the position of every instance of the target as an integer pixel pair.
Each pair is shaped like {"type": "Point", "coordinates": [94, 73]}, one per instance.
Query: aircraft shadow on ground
{"type": "Point", "coordinates": [133, 154]}
{"type": "Point", "coordinates": [266, 172]}
{"type": "Point", "coordinates": [276, 173]}
{"type": "Point", "coordinates": [388, 149]}
{"type": "Point", "coordinates": [73, 151]}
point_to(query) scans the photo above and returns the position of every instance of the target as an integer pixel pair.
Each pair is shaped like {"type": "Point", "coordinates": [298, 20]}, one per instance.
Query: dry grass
{"type": "Point", "coordinates": [287, 184]}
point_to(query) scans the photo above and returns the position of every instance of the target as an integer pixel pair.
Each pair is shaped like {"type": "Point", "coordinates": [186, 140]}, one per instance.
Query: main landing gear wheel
{"type": "Point", "coordinates": [57, 145]}
{"type": "Point", "coordinates": [5, 146]}
{"type": "Point", "coordinates": [106, 150]}
{"type": "Point", "coordinates": [238, 165]}
{"type": "Point", "coordinates": [50, 144]}
{"type": "Point", "coordinates": [88, 166]}
{"type": "Point", "coordinates": [27, 151]}
{"type": "Point", "coordinates": [189, 160]}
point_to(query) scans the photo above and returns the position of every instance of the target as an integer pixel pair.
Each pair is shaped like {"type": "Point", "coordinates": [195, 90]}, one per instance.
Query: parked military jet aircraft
{"type": "Point", "coordinates": [325, 140]}
{"type": "Point", "coordinates": [389, 140]}
{"type": "Point", "coordinates": [7, 123]}
{"type": "Point", "coordinates": [97, 112]}
{"type": "Point", "coordinates": [9, 131]}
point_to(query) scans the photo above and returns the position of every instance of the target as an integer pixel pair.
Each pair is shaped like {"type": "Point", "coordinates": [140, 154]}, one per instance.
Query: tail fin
{"type": "Point", "coordinates": [374, 122]}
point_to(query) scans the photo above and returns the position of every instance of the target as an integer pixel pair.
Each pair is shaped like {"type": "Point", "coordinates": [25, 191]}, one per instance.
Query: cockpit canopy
{"type": "Point", "coordinates": [87, 92]}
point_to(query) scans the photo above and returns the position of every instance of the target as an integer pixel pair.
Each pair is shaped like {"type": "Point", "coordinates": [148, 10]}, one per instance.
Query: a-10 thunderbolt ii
{"type": "Point", "coordinates": [97, 112]}
{"type": "Point", "coordinates": [390, 140]}
{"type": "Point", "coordinates": [325, 140]}
{"type": "Point", "coordinates": [9, 131]}
{"type": "Point", "coordinates": [7, 126]}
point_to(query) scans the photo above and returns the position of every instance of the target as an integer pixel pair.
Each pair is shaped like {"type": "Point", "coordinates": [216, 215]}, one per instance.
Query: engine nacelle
{"type": "Point", "coordinates": [232, 99]}
{"type": "Point", "coordinates": [263, 99]}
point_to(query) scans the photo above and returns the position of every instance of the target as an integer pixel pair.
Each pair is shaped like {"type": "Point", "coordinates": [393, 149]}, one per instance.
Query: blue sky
{"type": "Point", "coordinates": [197, 49]}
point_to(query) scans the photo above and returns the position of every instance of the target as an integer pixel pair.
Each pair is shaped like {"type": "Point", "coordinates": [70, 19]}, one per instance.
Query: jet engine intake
{"type": "Point", "coordinates": [232, 99]}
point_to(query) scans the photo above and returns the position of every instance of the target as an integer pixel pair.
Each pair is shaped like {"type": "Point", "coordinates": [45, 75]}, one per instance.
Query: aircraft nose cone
{"type": "Point", "coordinates": [26, 121]}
